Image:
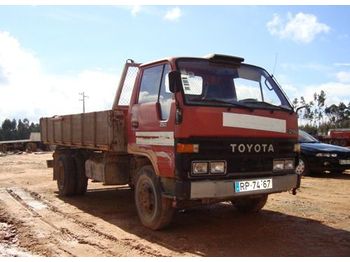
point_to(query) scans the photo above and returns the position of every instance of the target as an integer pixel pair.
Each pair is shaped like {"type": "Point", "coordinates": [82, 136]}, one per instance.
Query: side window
{"type": "Point", "coordinates": [154, 88]}
{"type": "Point", "coordinates": [165, 96]}
{"type": "Point", "coordinates": [150, 84]}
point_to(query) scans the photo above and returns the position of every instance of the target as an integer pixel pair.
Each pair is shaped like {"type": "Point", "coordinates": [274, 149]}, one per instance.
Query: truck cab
{"type": "Point", "coordinates": [209, 129]}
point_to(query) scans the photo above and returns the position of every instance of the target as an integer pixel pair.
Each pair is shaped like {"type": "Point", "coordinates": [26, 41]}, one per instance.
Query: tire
{"type": "Point", "coordinates": [31, 147]}
{"type": "Point", "coordinates": [66, 174]}
{"type": "Point", "coordinates": [250, 204]}
{"type": "Point", "coordinates": [81, 179]}
{"type": "Point", "coordinates": [3, 148]}
{"type": "Point", "coordinates": [302, 169]}
{"type": "Point", "coordinates": [154, 211]}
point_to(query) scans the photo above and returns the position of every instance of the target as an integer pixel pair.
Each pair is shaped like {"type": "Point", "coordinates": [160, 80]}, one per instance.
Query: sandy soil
{"type": "Point", "coordinates": [34, 221]}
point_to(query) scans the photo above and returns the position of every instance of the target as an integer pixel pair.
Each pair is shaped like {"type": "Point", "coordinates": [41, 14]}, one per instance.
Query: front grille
{"type": "Point", "coordinates": [239, 164]}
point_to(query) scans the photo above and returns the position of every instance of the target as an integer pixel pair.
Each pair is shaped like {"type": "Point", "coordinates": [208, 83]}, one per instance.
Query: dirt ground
{"type": "Point", "coordinates": [34, 221]}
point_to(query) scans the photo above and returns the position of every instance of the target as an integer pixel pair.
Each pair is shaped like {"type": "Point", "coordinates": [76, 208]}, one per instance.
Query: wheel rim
{"type": "Point", "coordinates": [147, 199]}
{"type": "Point", "coordinates": [300, 169]}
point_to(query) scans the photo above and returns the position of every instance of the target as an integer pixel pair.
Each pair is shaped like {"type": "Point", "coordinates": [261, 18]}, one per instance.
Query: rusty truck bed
{"type": "Point", "coordinates": [103, 130]}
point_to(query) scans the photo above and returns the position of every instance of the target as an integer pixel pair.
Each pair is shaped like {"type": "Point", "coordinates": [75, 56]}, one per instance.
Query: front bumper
{"type": "Point", "coordinates": [321, 164]}
{"type": "Point", "coordinates": [224, 189]}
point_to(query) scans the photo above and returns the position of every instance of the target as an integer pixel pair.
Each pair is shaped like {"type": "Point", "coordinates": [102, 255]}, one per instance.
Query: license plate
{"type": "Point", "coordinates": [344, 161]}
{"type": "Point", "coordinates": [252, 185]}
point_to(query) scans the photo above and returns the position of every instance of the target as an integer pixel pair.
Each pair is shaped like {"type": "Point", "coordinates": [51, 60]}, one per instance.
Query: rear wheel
{"type": "Point", "coordinates": [66, 174]}
{"type": "Point", "coordinates": [81, 179]}
{"type": "Point", "coordinates": [250, 204]}
{"type": "Point", "coordinates": [154, 211]}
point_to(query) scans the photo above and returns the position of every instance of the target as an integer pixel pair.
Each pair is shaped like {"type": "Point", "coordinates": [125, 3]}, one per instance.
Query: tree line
{"type": "Point", "coordinates": [15, 130]}
{"type": "Point", "coordinates": [318, 118]}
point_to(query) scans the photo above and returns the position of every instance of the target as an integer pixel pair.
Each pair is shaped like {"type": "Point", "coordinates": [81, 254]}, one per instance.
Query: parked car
{"type": "Point", "coordinates": [317, 157]}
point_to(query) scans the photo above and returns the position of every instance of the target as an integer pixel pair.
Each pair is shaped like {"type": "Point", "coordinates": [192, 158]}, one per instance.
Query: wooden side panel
{"type": "Point", "coordinates": [66, 130]}
{"type": "Point", "coordinates": [103, 124]}
{"type": "Point", "coordinates": [43, 131]}
{"type": "Point", "coordinates": [76, 129]}
{"type": "Point", "coordinates": [103, 130]}
{"type": "Point", "coordinates": [50, 132]}
{"type": "Point", "coordinates": [57, 130]}
{"type": "Point", "coordinates": [88, 129]}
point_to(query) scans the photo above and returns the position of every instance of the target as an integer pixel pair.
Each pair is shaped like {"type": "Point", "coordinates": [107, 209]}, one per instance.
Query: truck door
{"type": "Point", "coordinates": [152, 119]}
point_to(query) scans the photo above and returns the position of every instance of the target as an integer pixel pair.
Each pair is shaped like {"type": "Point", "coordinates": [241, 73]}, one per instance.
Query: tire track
{"type": "Point", "coordinates": [68, 235]}
{"type": "Point", "coordinates": [29, 200]}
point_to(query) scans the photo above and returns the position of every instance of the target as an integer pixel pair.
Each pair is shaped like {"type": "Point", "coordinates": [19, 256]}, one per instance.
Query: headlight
{"type": "Point", "coordinates": [289, 164]}
{"type": "Point", "coordinates": [283, 164]}
{"type": "Point", "coordinates": [278, 165]}
{"type": "Point", "coordinates": [217, 167]}
{"type": "Point", "coordinates": [199, 168]}
{"type": "Point", "coordinates": [326, 155]}
{"type": "Point", "coordinates": [208, 167]}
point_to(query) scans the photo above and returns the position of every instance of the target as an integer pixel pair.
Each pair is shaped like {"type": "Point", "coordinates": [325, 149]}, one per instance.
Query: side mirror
{"type": "Point", "coordinates": [299, 108]}
{"type": "Point", "coordinates": [175, 82]}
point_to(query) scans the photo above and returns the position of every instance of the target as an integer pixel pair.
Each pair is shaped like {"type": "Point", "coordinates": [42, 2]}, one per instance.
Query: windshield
{"type": "Point", "coordinates": [306, 138]}
{"type": "Point", "coordinates": [205, 82]}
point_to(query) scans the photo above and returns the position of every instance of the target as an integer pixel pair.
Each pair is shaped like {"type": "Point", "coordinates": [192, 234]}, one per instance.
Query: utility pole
{"type": "Point", "coordinates": [83, 99]}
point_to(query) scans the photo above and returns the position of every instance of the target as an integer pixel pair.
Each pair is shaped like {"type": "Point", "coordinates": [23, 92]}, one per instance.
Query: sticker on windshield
{"type": "Point", "coordinates": [192, 84]}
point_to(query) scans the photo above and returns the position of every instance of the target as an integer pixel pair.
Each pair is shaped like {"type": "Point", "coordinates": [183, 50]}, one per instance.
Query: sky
{"type": "Point", "coordinates": [50, 54]}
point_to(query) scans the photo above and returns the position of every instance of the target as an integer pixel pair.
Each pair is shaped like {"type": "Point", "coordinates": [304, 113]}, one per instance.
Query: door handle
{"type": "Point", "coordinates": [135, 124]}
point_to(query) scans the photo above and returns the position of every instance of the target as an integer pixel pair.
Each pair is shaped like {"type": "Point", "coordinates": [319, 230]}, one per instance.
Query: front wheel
{"type": "Point", "coordinates": [250, 204]}
{"type": "Point", "coordinates": [302, 169]}
{"type": "Point", "coordinates": [154, 211]}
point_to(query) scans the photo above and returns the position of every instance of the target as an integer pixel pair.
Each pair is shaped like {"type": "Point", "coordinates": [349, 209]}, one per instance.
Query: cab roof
{"type": "Point", "coordinates": [210, 57]}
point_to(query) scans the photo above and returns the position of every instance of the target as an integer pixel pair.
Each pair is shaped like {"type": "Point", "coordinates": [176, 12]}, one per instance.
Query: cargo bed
{"type": "Point", "coordinates": [103, 130]}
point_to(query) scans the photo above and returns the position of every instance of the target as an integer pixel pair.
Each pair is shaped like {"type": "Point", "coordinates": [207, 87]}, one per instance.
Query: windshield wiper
{"type": "Point", "coordinates": [231, 103]}
{"type": "Point", "coordinates": [251, 101]}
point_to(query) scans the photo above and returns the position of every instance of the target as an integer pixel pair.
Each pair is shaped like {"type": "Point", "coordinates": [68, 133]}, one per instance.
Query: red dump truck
{"type": "Point", "coordinates": [182, 131]}
{"type": "Point", "coordinates": [339, 136]}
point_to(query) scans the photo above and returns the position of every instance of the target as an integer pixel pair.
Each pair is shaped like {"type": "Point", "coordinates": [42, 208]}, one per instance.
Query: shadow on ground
{"type": "Point", "coordinates": [219, 230]}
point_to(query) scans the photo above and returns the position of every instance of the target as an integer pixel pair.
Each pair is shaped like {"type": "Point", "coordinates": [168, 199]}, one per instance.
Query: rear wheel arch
{"type": "Point", "coordinates": [138, 162]}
